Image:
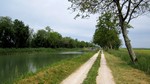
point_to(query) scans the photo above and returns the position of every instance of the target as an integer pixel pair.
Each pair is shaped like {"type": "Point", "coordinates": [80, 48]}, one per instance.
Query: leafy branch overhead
{"type": "Point", "coordinates": [129, 9]}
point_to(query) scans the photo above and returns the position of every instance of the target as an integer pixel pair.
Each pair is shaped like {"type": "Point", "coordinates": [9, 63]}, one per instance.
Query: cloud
{"type": "Point", "coordinates": [139, 35]}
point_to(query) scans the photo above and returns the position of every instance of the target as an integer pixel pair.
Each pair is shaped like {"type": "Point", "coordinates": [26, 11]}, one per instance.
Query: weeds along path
{"type": "Point", "coordinates": [80, 74]}
{"type": "Point", "coordinates": [104, 73]}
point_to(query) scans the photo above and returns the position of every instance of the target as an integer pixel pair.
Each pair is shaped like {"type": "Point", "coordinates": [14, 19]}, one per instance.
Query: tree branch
{"type": "Point", "coordinates": [124, 4]}
{"type": "Point", "coordinates": [127, 13]}
{"type": "Point", "coordinates": [130, 17]}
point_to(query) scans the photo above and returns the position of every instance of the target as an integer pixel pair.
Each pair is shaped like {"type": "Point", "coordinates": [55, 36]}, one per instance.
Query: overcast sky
{"type": "Point", "coordinates": [41, 13]}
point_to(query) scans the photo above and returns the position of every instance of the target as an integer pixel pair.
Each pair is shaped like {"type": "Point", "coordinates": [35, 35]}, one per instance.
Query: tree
{"type": "Point", "coordinates": [6, 32]}
{"type": "Point", "coordinates": [13, 33]}
{"type": "Point", "coordinates": [39, 39]}
{"type": "Point", "coordinates": [106, 34]}
{"type": "Point", "coordinates": [54, 39]}
{"type": "Point", "coordinates": [47, 38]}
{"type": "Point", "coordinates": [106, 38]}
{"type": "Point", "coordinates": [22, 34]}
{"type": "Point", "coordinates": [124, 10]}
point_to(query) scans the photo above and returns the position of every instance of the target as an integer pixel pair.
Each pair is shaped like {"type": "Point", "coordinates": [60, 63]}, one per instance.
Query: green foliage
{"type": "Point", "coordinates": [106, 34]}
{"type": "Point", "coordinates": [21, 33]}
{"type": "Point", "coordinates": [15, 34]}
{"type": "Point", "coordinates": [49, 38]}
{"type": "Point", "coordinates": [123, 10]}
{"type": "Point", "coordinates": [6, 32]}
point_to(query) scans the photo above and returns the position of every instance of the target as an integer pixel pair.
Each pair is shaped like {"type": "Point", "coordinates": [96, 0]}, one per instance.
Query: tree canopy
{"type": "Point", "coordinates": [106, 34]}
{"type": "Point", "coordinates": [13, 33]}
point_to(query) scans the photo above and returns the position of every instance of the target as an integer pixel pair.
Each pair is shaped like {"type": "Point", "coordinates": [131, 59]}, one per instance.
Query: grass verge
{"type": "Point", "coordinates": [11, 51]}
{"type": "Point", "coordinates": [57, 72]}
{"type": "Point", "coordinates": [91, 77]}
{"type": "Point", "coordinates": [124, 73]}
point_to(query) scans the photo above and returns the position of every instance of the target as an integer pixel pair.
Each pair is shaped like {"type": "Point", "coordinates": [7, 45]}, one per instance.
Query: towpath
{"type": "Point", "coordinates": [80, 74]}
{"type": "Point", "coordinates": [104, 73]}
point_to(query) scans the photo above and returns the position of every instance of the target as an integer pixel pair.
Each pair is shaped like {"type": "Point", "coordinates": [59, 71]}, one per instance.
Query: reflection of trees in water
{"type": "Point", "coordinates": [31, 67]}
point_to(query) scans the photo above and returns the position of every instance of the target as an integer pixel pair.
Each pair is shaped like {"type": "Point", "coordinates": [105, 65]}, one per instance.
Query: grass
{"type": "Point", "coordinates": [57, 72]}
{"type": "Point", "coordinates": [124, 73]}
{"type": "Point", "coordinates": [91, 77]}
{"type": "Point", "coordinates": [8, 51]}
{"type": "Point", "coordinates": [143, 56]}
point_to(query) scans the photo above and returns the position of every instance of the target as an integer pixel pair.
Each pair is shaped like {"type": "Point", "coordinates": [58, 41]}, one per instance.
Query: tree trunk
{"type": "Point", "coordinates": [124, 33]}
{"type": "Point", "coordinates": [128, 45]}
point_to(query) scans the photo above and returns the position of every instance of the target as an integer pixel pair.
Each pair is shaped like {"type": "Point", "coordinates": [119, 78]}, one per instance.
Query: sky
{"type": "Point", "coordinates": [41, 13]}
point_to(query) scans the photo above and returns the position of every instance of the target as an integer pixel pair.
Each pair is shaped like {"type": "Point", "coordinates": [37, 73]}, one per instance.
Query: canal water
{"type": "Point", "coordinates": [13, 66]}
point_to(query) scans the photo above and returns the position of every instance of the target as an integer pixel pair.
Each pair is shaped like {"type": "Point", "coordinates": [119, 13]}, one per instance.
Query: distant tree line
{"type": "Point", "coordinates": [15, 34]}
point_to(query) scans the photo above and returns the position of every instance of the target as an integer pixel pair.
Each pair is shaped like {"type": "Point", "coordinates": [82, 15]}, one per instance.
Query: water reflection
{"type": "Point", "coordinates": [71, 52]}
{"type": "Point", "coordinates": [31, 67]}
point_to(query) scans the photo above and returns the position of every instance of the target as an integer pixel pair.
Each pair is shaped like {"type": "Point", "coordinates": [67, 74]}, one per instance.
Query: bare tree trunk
{"type": "Point", "coordinates": [124, 33]}
{"type": "Point", "coordinates": [128, 45]}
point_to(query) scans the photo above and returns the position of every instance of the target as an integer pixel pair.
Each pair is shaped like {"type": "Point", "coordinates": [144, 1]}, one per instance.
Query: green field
{"type": "Point", "coordinates": [124, 73]}
{"type": "Point", "coordinates": [143, 56]}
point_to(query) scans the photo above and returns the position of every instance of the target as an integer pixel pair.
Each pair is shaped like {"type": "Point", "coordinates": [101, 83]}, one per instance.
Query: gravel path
{"type": "Point", "coordinates": [104, 73]}
{"type": "Point", "coordinates": [79, 75]}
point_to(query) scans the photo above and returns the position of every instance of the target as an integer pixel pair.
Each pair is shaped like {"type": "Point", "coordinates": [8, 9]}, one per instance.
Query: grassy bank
{"type": "Point", "coordinates": [91, 77]}
{"type": "Point", "coordinates": [124, 73]}
{"type": "Point", "coordinates": [143, 56]}
{"type": "Point", "coordinates": [57, 72]}
{"type": "Point", "coordinates": [7, 51]}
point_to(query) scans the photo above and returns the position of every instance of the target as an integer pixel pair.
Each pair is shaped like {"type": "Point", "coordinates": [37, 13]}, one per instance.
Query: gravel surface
{"type": "Point", "coordinates": [104, 73]}
{"type": "Point", "coordinates": [80, 74]}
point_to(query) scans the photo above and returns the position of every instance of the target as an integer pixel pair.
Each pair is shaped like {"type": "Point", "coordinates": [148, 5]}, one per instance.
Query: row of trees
{"type": "Point", "coordinates": [49, 38]}
{"type": "Point", "coordinates": [15, 34]}
{"type": "Point", "coordinates": [123, 10]}
{"type": "Point", "coordinates": [106, 34]}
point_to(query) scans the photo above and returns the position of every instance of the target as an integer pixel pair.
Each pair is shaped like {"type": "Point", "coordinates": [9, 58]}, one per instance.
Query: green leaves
{"type": "Point", "coordinates": [13, 33]}
{"type": "Point", "coordinates": [49, 38]}
{"type": "Point", "coordinates": [106, 34]}
{"type": "Point", "coordinates": [21, 32]}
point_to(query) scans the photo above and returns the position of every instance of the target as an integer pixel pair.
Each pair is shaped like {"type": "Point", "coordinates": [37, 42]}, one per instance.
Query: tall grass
{"type": "Point", "coordinates": [124, 73]}
{"type": "Point", "coordinates": [143, 56]}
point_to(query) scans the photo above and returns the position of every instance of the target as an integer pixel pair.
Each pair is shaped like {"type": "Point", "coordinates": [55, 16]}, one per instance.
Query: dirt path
{"type": "Point", "coordinates": [104, 73]}
{"type": "Point", "coordinates": [79, 75]}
